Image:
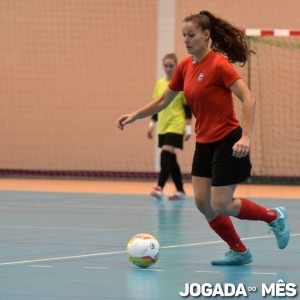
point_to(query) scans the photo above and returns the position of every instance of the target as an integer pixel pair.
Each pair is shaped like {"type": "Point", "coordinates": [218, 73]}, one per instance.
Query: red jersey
{"type": "Point", "coordinates": [206, 90]}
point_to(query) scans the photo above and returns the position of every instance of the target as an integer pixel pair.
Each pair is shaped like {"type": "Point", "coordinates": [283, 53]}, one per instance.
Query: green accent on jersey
{"type": "Point", "coordinates": [172, 118]}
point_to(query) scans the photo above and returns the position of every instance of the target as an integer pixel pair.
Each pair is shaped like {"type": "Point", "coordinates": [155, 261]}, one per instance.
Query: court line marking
{"type": "Point", "coordinates": [151, 270]}
{"type": "Point", "coordinates": [218, 242]}
{"type": "Point", "coordinates": [59, 258]}
{"type": "Point", "coordinates": [64, 228]}
{"type": "Point", "coordinates": [255, 273]}
{"type": "Point", "coordinates": [119, 252]}
{"type": "Point", "coordinates": [98, 268]}
{"type": "Point", "coordinates": [39, 266]}
{"type": "Point", "coordinates": [261, 273]}
{"type": "Point", "coordinates": [208, 271]}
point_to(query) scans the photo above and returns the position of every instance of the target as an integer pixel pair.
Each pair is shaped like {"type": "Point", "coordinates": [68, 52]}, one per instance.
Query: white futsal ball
{"type": "Point", "coordinates": [143, 250]}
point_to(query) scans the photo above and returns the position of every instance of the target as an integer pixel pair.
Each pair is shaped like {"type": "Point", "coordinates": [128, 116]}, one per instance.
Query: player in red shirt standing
{"type": "Point", "coordinates": [221, 158]}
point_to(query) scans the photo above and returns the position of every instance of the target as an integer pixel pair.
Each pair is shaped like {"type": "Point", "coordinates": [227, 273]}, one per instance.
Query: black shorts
{"type": "Point", "coordinates": [171, 139]}
{"type": "Point", "coordinates": [215, 161]}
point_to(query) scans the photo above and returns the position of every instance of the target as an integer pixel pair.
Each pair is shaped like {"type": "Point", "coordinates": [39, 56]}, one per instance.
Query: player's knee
{"type": "Point", "coordinates": [220, 207]}
{"type": "Point", "coordinates": [201, 204]}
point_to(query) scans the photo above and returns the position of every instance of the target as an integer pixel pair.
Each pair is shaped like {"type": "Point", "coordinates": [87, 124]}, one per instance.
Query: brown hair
{"type": "Point", "coordinates": [171, 56]}
{"type": "Point", "coordinates": [225, 38]}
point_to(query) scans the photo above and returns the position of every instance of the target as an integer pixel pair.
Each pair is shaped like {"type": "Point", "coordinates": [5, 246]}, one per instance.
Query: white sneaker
{"type": "Point", "coordinates": [157, 193]}
{"type": "Point", "coordinates": [177, 196]}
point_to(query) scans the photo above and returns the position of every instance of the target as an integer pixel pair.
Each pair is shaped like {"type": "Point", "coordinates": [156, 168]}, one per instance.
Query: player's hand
{"type": "Point", "coordinates": [242, 147]}
{"type": "Point", "coordinates": [187, 137]}
{"type": "Point", "coordinates": [124, 120]}
{"type": "Point", "coordinates": [150, 133]}
{"type": "Point", "coordinates": [187, 132]}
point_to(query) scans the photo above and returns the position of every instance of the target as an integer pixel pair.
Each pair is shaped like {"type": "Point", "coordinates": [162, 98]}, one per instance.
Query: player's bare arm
{"type": "Point", "coordinates": [151, 108]}
{"type": "Point", "coordinates": [240, 89]}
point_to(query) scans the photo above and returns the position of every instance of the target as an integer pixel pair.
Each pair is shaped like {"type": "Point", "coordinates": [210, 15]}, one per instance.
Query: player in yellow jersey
{"type": "Point", "coordinates": [173, 126]}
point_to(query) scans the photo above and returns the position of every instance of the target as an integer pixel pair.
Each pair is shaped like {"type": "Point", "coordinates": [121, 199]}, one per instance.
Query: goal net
{"type": "Point", "coordinates": [273, 76]}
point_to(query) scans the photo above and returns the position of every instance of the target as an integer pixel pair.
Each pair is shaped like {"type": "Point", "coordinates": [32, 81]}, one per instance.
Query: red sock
{"type": "Point", "coordinates": [223, 226]}
{"type": "Point", "coordinates": [252, 211]}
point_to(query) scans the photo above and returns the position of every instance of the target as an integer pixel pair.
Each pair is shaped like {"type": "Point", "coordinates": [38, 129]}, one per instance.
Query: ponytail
{"type": "Point", "coordinates": [225, 38]}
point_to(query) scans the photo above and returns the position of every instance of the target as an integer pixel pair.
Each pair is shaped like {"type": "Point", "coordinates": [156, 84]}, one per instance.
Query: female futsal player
{"type": "Point", "coordinates": [221, 157]}
{"type": "Point", "coordinates": [173, 125]}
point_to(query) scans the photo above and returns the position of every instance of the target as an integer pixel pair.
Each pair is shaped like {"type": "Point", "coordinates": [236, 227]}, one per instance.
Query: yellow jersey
{"type": "Point", "coordinates": [172, 118]}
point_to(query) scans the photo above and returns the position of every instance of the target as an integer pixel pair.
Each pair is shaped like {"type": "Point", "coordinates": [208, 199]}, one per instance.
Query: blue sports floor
{"type": "Point", "coordinates": [57, 246]}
